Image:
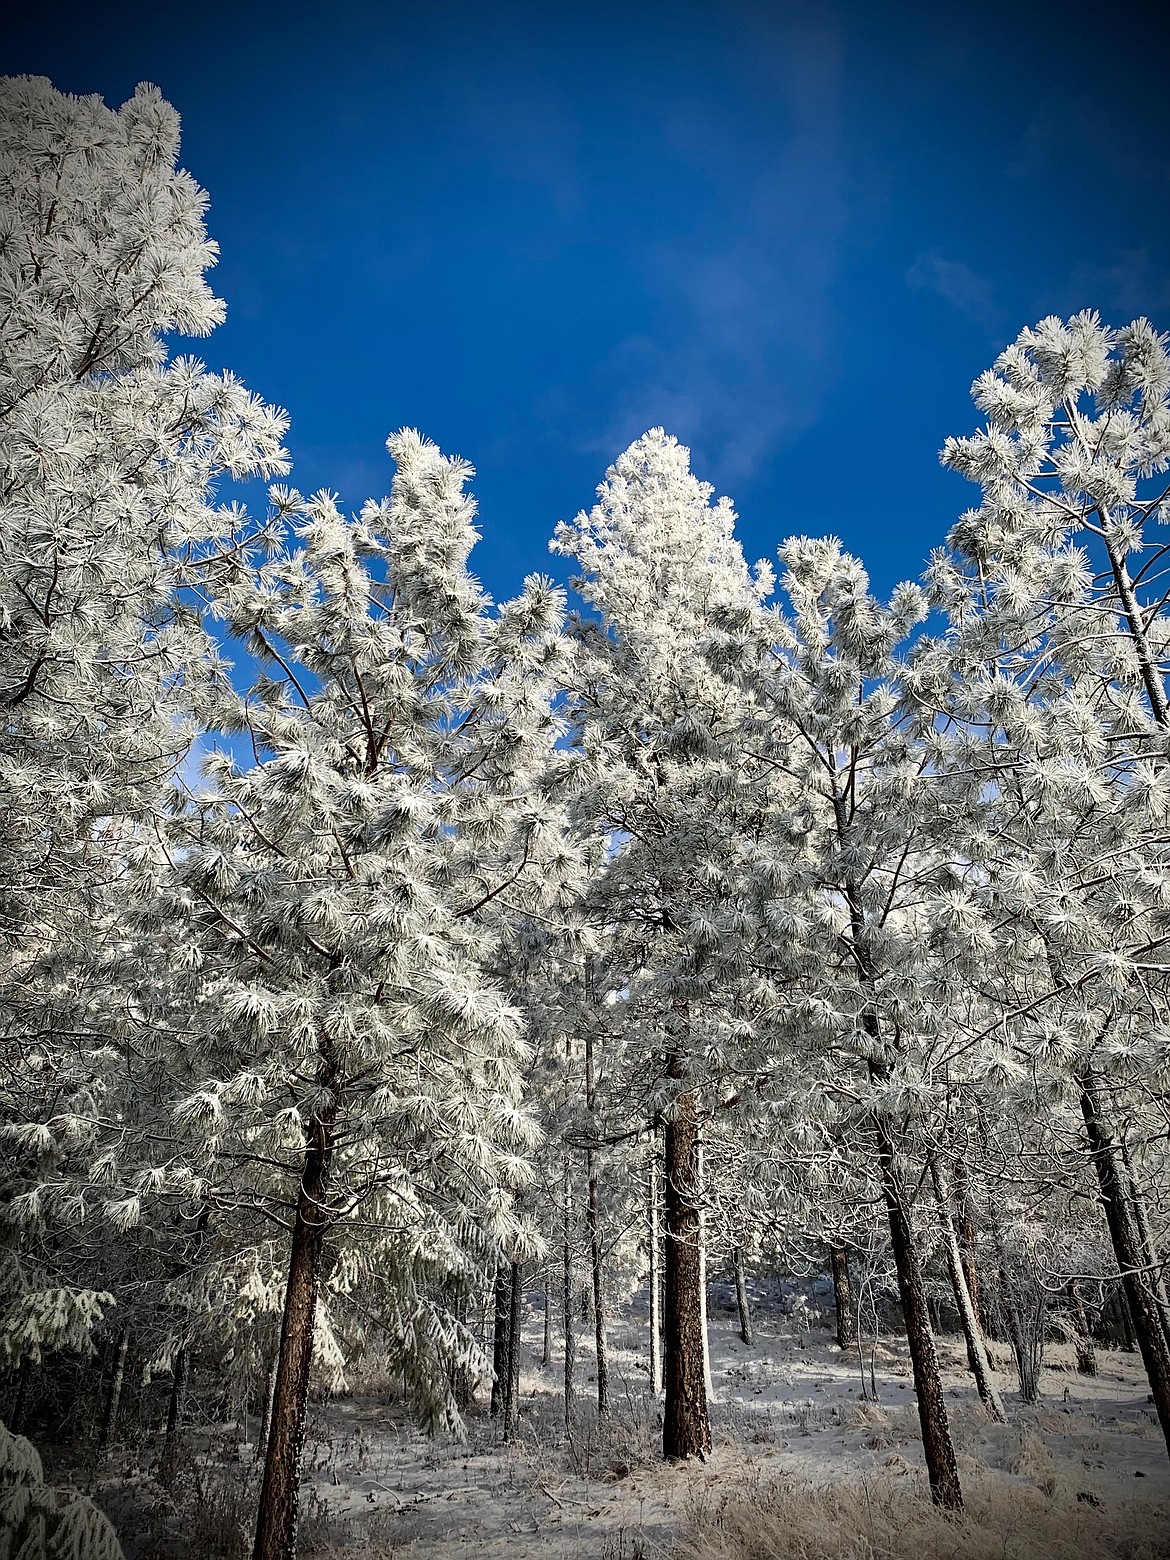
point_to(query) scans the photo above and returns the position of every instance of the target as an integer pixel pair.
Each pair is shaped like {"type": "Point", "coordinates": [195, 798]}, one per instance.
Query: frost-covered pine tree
{"type": "Point", "coordinates": [335, 898]}
{"type": "Point", "coordinates": [109, 531]}
{"type": "Point", "coordinates": [665, 786]}
{"type": "Point", "coordinates": [107, 453]}
{"type": "Point", "coordinates": [1047, 722]}
{"type": "Point", "coordinates": [40, 1522]}
{"type": "Point", "coordinates": [843, 870]}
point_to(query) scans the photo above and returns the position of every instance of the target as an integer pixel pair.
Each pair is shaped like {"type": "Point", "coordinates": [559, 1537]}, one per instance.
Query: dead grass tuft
{"type": "Point", "coordinates": [610, 1449]}
{"type": "Point", "coordinates": [882, 1427]}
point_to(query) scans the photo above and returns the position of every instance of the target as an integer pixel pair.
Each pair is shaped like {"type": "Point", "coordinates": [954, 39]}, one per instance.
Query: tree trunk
{"type": "Point", "coordinates": [1083, 1332]}
{"type": "Point", "coordinates": [1136, 622]}
{"type": "Point", "coordinates": [462, 1387]}
{"type": "Point", "coordinates": [277, 1515]}
{"type": "Point", "coordinates": [655, 1279]}
{"type": "Point", "coordinates": [965, 1229]}
{"type": "Point", "coordinates": [546, 1346]}
{"type": "Point", "coordinates": [169, 1461]}
{"type": "Point", "coordinates": [741, 1297]}
{"type": "Point", "coordinates": [977, 1357]}
{"type": "Point", "coordinates": [686, 1427]}
{"type": "Point", "coordinates": [593, 1215]}
{"type": "Point", "coordinates": [114, 1390]}
{"type": "Point", "coordinates": [704, 1316]}
{"type": "Point", "coordinates": [843, 1297]}
{"type": "Point", "coordinates": [599, 1321]}
{"type": "Point", "coordinates": [1124, 1320]}
{"type": "Point", "coordinates": [941, 1466]}
{"type": "Point", "coordinates": [512, 1395]}
{"type": "Point", "coordinates": [1150, 1254]}
{"type": "Point", "coordinates": [1027, 1361]}
{"type": "Point", "coordinates": [501, 1340]}
{"type": "Point", "coordinates": [266, 1409]}
{"type": "Point", "coordinates": [567, 1287]}
{"type": "Point", "coordinates": [20, 1401]}
{"type": "Point", "coordinates": [1144, 1312]}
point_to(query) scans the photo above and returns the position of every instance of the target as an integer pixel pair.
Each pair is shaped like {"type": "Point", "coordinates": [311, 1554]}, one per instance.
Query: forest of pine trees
{"type": "Point", "coordinates": [376, 954]}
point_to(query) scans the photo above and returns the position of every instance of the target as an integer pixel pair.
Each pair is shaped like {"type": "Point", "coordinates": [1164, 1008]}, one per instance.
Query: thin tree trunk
{"type": "Point", "coordinates": [1026, 1364]}
{"type": "Point", "coordinates": [1135, 618]}
{"type": "Point", "coordinates": [20, 1401]}
{"type": "Point", "coordinates": [941, 1465]}
{"type": "Point", "coordinates": [461, 1383]}
{"type": "Point", "coordinates": [512, 1395]}
{"type": "Point", "coordinates": [1083, 1340]}
{"type": "Point", "coordinates": [546, 1346]}
{"type": "Point", "coordinates": [599, 1319]}
{"type": "Point", "coordinates": [686, 1425]}
{"type": "Point", "coordinates": [114, 1390]}
{"type": "Point", "coordinates": [1144, 1312]}
{"type": "Point", "coordinates": [843, 1297]}
{"type": "Point", "coordinates": [593, 1215]}
{"type": "Point", "coordinates": [266, 1408]}
{"type": "Point", "coordinates": [1124, 1319]}
{"type": "Point", "coordinates": [655, 1279]}
{"type": "Point", "coordinates": [501, 1340]}
{"type": "Point", "coordinates": [977, 1357]}
{"type": "Point", "coordinates": [965, 1229]}
{"type": "Point", "coordinates": [704, 1314]}
{"type": "Point", "coordinates": [277, 1515]}
{"type": "Point", "coordinates": [1150, 1254]}
{"type": "Point", "coordinates": [567, 1287]}
{"type": "Point", "coordinates": [741, 1297]}
{"type": "Point", "coordinates": [169, 1461]}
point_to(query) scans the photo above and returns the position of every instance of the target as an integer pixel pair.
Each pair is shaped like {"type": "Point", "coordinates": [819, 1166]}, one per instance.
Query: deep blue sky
{"type": "Point", "coordinates": [792, 234]}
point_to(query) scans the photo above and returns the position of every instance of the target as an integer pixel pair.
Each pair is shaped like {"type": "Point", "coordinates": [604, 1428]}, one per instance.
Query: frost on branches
{"type": "Point", "coordinates": [108, 537]}
{"type": "Point", "coordinates": [711, 928]}
{"type": "Point", "coordinates": [107, 451]}
{"type": "Point", "coordinates": [38, 1522]}
{"type": "Point", "coordinates": [1048, 732]}
{"type": "Point", "coordinates": [666, 787]}
{"type": "Point", "coordinates": [358, 1074]}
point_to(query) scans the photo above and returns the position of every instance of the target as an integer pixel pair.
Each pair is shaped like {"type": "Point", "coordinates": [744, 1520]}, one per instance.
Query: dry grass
{"type": "Point", "coordinates": [890, 1517]}
{"type": "Point", "coordinates": [210, 1514]}
{"type": "Point", "coordinates": [882, 1427]}
{"type": "Point", "coordinates": [610, 1449]}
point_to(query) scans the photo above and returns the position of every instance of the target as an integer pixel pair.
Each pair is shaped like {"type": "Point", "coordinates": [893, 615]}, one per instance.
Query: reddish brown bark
{"type": "Point", "coordinates": [502, 1339]}
{"type": "Point", "coordinates": [686, 1426]}
{"type": "Point", "coordinates": [276, 1519]}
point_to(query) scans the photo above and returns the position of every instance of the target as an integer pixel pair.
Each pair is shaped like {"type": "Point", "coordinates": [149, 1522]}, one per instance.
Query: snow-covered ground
{"type": "Point", "coordinates": [790, 1403]}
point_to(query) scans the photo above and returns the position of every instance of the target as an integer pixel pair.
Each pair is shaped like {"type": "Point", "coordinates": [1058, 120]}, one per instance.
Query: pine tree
{"type": "Point", "coordinates": [1047, 710]}
{"type": "Point", "coordinates": [662, 775]}
{"type": "Point", "coordinates": [840, 884]}
{"type": "Point", "coordinates": [336, 903]}
{"type": "Point", "coordinates": [109, 535]}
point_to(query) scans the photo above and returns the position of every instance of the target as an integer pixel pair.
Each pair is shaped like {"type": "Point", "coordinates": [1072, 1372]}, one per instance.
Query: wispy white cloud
{"type": "Point", "coordinates": [971, 294]}
{"type": "Point", "coordinates": [1123, 286]}
{"type": "Point", "coordinates": [740, 351]}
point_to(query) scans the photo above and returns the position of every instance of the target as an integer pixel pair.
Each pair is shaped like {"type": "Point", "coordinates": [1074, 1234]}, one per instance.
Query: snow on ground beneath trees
{"type": "Point", "coordinates": [788, 1404]}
